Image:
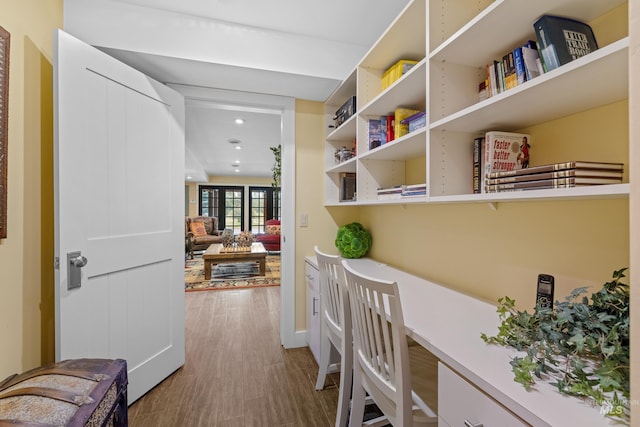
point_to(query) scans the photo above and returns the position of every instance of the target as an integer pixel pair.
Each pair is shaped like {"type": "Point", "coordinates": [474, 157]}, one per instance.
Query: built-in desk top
{"type": "Point", "coordinates": [449, 323]}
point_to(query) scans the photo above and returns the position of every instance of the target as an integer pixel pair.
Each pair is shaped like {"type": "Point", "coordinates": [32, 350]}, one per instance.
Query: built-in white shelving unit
{"type": "Point", "coordinates": [453, 42]}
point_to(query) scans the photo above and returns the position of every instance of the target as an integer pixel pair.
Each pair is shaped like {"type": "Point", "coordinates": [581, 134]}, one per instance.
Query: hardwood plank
{"type": "Point", "coordinates": [236, 373]}
{"type": "Point", "coordinates": [281, 403]}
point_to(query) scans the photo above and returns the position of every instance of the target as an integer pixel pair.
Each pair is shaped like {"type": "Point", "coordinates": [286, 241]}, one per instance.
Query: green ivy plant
{"type": "Point", "coordinates": [582, 347]}
{"type": "Point", "coordinates": [277, 165]}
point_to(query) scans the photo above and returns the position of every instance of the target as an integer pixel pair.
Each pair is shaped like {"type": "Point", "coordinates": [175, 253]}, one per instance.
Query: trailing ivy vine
{"type": "Point", "coordinates": [277, 165]}
{"type": "Point", "coordinates": [581, 347]}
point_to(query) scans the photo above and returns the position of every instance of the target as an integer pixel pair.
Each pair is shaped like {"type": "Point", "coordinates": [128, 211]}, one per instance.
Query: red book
{"type": "Point", "coordinates": [390, 126]}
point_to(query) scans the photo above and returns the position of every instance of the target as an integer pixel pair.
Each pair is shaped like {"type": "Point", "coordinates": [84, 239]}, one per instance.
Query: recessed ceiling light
{"type": "Point", "coordinates": [239, 121]}
{"type": "Point", "coordinates": [189, 177]}
{"type": "Point", "coordinates": [237, 170]}
{"type": "Point", "coordinates": [238, 147]}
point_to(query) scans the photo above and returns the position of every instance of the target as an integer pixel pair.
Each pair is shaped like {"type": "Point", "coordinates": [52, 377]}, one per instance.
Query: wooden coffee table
{"type": "Point", "coordinates": [213, 256]}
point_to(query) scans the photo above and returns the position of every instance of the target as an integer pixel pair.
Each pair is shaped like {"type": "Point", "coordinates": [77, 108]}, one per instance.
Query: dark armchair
{"type": "Point", "coordinates": [200, 232]}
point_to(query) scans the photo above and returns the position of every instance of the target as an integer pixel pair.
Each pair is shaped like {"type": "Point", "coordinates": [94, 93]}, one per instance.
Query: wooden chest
{"type": "Point", "coordinates": [77, 392]}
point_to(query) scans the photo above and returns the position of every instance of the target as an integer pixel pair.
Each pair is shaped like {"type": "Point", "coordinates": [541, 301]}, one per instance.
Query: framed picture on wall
{"type": "Point", "coordinates": [4, 123]}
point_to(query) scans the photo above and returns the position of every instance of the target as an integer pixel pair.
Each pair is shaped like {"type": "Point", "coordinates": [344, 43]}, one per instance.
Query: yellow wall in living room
{"type": "Point", "coordinates": [26, 255]}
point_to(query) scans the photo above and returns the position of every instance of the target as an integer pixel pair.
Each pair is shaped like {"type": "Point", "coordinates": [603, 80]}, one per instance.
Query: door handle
{"type": "Point", "coordinates": [79, 261]}
{"type": "Point", "coordinates": [75, 261]}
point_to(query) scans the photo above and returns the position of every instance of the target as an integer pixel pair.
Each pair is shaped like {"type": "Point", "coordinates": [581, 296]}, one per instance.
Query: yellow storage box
{"type": "Point", "coordinates": [396, 71]}
{"type": "Point", "coordinates": [400, 128]}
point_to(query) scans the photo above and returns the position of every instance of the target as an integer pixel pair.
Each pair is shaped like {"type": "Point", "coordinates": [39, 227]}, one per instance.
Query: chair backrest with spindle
{"type": "Point", "coordinates": [380, 344]}
{"type": "Point", "coordinates": [335, 298]}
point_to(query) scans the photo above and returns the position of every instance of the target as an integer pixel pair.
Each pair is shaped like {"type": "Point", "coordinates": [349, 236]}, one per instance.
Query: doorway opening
{"type": "Point", "coordinates": [284, 107]}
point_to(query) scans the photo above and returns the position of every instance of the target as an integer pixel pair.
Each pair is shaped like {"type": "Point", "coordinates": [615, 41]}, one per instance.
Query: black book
{"type": "Point", "coordinates": [478, 165]}
{"type": "Point", "coordinates": [347, 187]}
{"type": "Point", "coordinates": [561, 40]}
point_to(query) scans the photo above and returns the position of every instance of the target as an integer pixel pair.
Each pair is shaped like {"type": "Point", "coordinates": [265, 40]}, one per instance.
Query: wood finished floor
{"type": "Point", "coordinates": [236, 372]}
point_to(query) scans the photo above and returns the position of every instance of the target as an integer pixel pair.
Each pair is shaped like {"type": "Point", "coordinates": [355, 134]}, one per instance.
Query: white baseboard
{"type": "Point", "coordinates": [299, 340]}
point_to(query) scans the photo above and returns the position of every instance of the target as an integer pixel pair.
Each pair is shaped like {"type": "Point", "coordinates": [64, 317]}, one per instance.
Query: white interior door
{"type": "Point", "coordinates": [119, 189]}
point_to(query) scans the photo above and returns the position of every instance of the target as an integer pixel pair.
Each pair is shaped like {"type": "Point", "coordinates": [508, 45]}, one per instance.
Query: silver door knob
{"type": "Point", "coordinates": [75, 261]}
{"type": "Point", "coordinates": [79, 261]}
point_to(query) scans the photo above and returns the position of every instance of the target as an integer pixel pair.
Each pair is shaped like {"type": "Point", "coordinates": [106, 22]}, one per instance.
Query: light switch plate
{"type": "Point", "coordinates": [304, 220]}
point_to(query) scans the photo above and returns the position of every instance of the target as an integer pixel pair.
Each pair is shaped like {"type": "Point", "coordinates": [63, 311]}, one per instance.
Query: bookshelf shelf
{"type": "Point", "coordinates": [407, 147]}
{"type": "Point", "coordinates": [408, 91]}
{"type": "Point", "coordinates": [403, 39]}
{"type": "Point", "coordinates": [590, 192]}
{"type": "Point", "coordinates": [505, 111]}
{"type": "Point", "coordinates": [346, 166]}
{"type": "Point", "coordinates": [346, 131]}
{"type": "Point", "coordinates": [514, 18]}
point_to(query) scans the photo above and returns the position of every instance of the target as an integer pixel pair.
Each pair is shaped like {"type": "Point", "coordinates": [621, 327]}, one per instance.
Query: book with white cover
{"type": "Point", "coordinates": [504, 151]}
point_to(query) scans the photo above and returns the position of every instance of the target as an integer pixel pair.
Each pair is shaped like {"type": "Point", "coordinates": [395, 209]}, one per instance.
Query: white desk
{"type": "Point", "coordinates": [449, 324]}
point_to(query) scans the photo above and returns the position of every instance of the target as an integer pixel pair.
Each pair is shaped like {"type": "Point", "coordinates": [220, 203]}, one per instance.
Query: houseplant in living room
{"type": "Point", "coordinates": [277, 165]}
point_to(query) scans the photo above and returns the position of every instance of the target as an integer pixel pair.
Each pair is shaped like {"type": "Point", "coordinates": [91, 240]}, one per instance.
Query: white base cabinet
{"type": "Point", "coordinates": [312, 277]}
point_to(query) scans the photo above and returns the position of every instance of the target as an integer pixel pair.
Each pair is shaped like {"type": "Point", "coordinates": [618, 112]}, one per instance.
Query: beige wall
{"type": "Point", "coordinates": [310, 131]}
{"type": "Point", "coordinates": [492, 253]}
{"type": "Point", "coordinates": [26, 255]}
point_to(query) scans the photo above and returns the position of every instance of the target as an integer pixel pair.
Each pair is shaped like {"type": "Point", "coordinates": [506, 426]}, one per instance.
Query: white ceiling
{"type": "Point", "coordinates": [294, 48]}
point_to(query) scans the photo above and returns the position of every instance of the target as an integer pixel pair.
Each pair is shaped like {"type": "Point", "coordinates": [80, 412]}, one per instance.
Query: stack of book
{"type": "Point", "coordinates": [402, 191]}
{"type": "Point", "coordinates": [499, 151]}
{"type": "Point", "coordinates": [389, 193]}
{"type": "Point", "coordinates": [414, 190]}
{"type": "Point", "coordinates": [516, 67]}
{"type": "Point", "coordinates": [556, 175]}
{"type": "Point", "coordinates": [559, 40]}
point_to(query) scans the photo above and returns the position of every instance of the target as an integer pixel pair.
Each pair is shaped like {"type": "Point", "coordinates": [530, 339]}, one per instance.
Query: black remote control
{"type": "Point", "coordinates": [544, 294]}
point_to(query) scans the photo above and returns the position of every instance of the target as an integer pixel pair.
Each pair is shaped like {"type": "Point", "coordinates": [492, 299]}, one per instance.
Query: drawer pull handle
{"type": "Point", "coordinates": [313, 309]}
{"type": "Point", "coordinates": [468, 423]}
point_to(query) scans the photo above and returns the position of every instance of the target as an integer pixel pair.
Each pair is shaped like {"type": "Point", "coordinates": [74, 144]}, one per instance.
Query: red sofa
{"type": "Point", "coordinates": [270, 239]}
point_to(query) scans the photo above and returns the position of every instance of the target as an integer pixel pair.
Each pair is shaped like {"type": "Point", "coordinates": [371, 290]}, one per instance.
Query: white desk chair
{"type": "Point", "coordinates": [335, 329]}
{"type": "Point", "coordinates": [381, 366]}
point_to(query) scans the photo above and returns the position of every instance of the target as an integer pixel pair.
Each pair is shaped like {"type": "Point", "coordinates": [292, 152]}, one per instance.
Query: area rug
{"type": "Point", "coordinates": [231, 275]}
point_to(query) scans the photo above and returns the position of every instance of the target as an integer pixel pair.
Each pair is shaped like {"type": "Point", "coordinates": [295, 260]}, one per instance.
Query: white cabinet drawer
{"type": "Point", "coordinates": [462, 404]}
